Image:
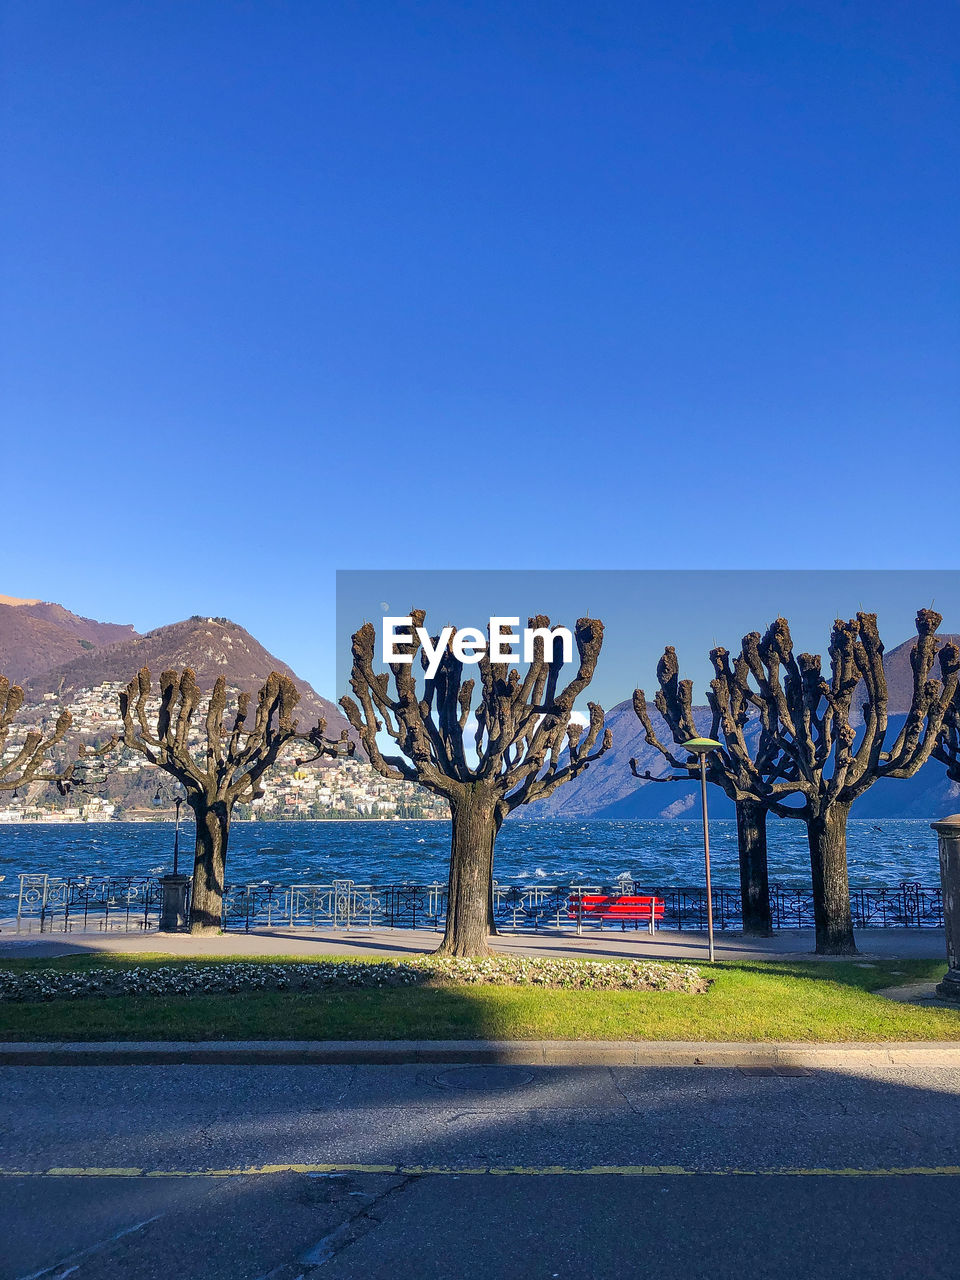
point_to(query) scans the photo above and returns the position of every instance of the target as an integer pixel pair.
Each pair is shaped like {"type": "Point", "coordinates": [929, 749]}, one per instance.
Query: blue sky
{"type": "Point", "coordinates": [643, 611]}
{"type": "Point", "coordinates": [293, 287]}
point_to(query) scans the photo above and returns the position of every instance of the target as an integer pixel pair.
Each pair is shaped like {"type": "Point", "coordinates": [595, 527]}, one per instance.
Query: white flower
{"type": "Point", "coordinates": [325, 975]}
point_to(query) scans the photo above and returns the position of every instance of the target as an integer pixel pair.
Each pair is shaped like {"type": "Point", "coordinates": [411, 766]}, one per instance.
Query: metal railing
{"type": "Point", "coordinates": [130, 903]}
{"type": "Point", "coordinates": [60, 904]}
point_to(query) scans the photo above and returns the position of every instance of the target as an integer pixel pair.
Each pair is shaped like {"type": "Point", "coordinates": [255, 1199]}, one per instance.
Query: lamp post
{"type": "Point", "coordinates": [160, 801]}
{"type": "Point", "coordinates": [178, 801]}
{"type": "Point", "coordinates": [699, 747]}
{"type": "Point", "coordinates": [173, 909]}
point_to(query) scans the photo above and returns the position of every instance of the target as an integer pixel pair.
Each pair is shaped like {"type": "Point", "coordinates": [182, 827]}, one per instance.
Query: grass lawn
{"type": "Point", "coordinates": [771, 1000]}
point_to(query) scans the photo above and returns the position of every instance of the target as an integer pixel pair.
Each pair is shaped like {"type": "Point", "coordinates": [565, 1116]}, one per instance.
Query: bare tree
{"type": "Point", "coordinates": [32, 762]}
{"type": "Point", "coordinates": [741, 775]}
{"type": "Point", "coordinates": [524, 746]}
{"type": "Point", "coordinates": [947, 749]}
{"type": "Point", "coordinates": [829, 760]}
{"type": "Point", "coordinates": [811, 746]}
{"type": "Point", "coordinates": [813, 749]}
{"type": "Point", "coordinates": [225, 767]}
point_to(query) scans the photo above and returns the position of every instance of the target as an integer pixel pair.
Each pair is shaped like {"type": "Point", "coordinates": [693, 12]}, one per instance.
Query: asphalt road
{"type": "Point", "coordinates": [284, 1172]}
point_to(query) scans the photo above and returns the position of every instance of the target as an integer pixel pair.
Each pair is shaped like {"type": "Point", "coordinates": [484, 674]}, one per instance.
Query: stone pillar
{"type": "Point", "coordinates": [948, 833]}
{"type": "Point", "coordinates": [173, 904]}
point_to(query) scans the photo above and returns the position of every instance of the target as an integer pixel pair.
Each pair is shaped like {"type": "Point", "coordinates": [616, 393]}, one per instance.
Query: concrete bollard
{"type": "Point", "coordinates": [173, 903]}
{"type": "Point", "coordinates": [948, 834]}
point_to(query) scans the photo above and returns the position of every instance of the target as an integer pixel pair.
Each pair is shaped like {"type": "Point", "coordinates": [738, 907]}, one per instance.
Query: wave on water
{"type": "Point", "coordinates": [657, 852]}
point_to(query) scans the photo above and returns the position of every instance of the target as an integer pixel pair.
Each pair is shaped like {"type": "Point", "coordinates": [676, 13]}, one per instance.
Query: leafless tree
{"type": "Point", "coordinates": [524, 746]}
{"type": "Point", "coordinates": [225, 766]}
{"type": "Point", "coordinates": [740, 774]}
{"type": "Point", "coordinates": [812, 748]}
{"type": "Point", "coordinates": [31, 763]}
{"type": "Point", "coordinates": [947, 749]}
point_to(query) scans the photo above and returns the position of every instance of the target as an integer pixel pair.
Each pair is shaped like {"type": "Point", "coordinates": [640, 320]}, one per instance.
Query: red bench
{"type": "Point", "coordinates": [625, 908]}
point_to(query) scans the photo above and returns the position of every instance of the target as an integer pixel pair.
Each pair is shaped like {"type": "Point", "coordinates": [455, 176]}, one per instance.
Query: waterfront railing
{"type": "Point", "coordinates": [63, 904]}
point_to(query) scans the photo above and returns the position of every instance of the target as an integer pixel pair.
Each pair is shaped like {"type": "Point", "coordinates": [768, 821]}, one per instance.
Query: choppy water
{"type": "Point", "coordinates": [657, 852]}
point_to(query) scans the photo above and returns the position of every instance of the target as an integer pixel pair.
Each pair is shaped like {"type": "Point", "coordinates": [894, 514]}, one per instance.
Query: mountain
{"type": "Point", "coordinates": [607, 789]}
{"type": "Point", "coordinates": [211, 646]}
{"type": "Point", "coordinates": [899, 673]}
{"type": "Point", "coordinates": [36, 635]}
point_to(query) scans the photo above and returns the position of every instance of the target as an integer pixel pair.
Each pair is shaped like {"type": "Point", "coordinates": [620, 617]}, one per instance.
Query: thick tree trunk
{"type": "Point", "coordinates": [469, 896]}
{"type": "Point", "coordinates": [754, 884]}
{"type": "Point", "coordinates": [206, 900]}
{"type": "Point", "coordinates": [827, 837]}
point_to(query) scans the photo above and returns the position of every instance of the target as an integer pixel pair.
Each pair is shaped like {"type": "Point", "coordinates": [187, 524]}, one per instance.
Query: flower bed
{"type": "Point", "coordinates": [348, 975]}
{"type": "Point", "coordinates": [566, 973]}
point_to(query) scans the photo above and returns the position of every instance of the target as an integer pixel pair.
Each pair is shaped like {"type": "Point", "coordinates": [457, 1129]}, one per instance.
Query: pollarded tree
{"type": "Point", "coordinates": [811, 746]}
{"type": "Point", "coordinates": [31, 762]}
{"type": "Point", "coordinates": [829, 760]}
{"type": "Point", "coordinates": [740, 772]}
{"type": "Point", "coordinates": [524, 746]}
{"type": "Point", "coordinates": [218, 766]}
{"type": "Point", "coordinates": [947, 750]}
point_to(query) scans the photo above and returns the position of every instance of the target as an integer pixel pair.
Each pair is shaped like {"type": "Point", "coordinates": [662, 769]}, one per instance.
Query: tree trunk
{"type": "Point", "coordinates": [827, 837]}
{"type": "Point", "coordinates": [206, 900]}
{"type": "Point", "coordinates": [754, 884]}
{"type": "Point", "coordinates": [491, 920]}
{"type": "Point", "coordinates": [469, 896]}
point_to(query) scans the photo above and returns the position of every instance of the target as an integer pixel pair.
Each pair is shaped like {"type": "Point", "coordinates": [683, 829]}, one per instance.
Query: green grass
{"type": "Point", "coordinates": [775, 1000]}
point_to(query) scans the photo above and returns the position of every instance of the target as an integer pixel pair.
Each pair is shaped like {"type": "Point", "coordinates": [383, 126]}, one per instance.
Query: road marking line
{"type": "Point", "coordinates": [415, 1170]}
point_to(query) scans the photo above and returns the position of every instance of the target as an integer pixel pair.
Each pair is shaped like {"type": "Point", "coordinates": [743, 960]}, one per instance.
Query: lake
{"type": "Point", "coordinates": [659, 853]}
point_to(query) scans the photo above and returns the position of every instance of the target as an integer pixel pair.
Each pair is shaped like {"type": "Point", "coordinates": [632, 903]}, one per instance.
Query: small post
{"type": "Point", "coordinates": [948, 835]}
{"type": "Point", "coordinates": [173, 903]}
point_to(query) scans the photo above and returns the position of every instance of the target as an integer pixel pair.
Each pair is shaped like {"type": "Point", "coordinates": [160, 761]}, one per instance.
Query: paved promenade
{"type": "Point", "coordinates": [685, 945]}
{"type": "Point", "coordinates": [466, 1172]}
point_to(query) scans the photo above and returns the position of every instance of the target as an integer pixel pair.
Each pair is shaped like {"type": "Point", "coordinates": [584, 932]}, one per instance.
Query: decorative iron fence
{"type": "Point", "coordinates": [59, 904]}
{"type": "Point", "coordinates": [62, 904]}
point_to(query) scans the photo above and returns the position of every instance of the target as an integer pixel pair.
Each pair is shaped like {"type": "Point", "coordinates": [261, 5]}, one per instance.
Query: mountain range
{"type": "Point", "coordinates": [607, 789]}
{"type": "Point", "coordinates": [48, 649]}
{"type": "Point", "coordinates": [36, 636]}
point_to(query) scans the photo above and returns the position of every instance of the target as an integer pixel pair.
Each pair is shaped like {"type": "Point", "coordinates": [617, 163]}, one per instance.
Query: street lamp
{"type": "Point", "coordinates": [699, 747]}
{"type": "Point", "coordinates": [159, 802]}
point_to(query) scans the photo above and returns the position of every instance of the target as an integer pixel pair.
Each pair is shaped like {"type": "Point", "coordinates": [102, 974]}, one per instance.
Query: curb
{"type": "Point", "coordinates": [554, 1053]}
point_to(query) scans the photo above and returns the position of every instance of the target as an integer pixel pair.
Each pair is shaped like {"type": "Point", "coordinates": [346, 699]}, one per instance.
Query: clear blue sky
{"type": "Point", "coordinates": [291, 287]}
{"type": "Point", "coordinates": [643, 611]}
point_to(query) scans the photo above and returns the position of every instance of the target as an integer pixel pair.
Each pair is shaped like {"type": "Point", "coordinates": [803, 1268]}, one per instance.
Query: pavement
{"type": "Point", "coordinates": [463, 1171]}
{"type": "Point", "coordinates": [923, 994]}
{"type": "Point", "coordinates": [600, 943]}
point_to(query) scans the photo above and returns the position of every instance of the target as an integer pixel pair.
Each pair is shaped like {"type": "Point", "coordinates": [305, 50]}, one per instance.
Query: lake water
{"type": "Point", "coordinates": [655, 852]}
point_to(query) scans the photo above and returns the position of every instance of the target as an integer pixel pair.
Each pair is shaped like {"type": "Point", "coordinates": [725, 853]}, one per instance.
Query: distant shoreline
{"type": "Point", "coordinates": [250, 822]}
{"type": "Point", "coordinates": [168, 819]}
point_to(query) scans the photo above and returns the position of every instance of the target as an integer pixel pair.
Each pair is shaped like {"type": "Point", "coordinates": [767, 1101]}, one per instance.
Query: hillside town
{"type": "Point", "coordinates": [135, 791]}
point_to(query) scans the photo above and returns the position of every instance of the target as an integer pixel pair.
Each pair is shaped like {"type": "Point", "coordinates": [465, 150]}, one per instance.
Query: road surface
{"type": "Point", "coordinates": [477, 1171]}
